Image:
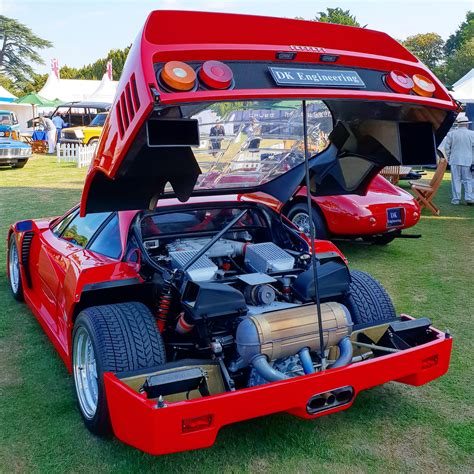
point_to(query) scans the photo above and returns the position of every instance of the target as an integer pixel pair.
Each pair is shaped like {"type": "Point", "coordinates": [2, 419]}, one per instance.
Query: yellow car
{"type": "Point", "coordinates": [85, 135]}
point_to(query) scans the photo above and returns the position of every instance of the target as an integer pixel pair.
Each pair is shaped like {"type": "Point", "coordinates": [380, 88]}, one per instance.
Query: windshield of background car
{"type": "Point", "coordinates": [6, 119]}
{"type": "Point", "coordinates": [199, 220]}
{"type": "Point", "coordinates": [250, 143]}
{"type": "Point", "coordinates": [98, 120]}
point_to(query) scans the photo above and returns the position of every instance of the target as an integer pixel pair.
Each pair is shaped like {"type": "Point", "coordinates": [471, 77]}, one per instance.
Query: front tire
{"type": "Point", "coordinates": [14, 274]}
{"type": "Point", "coordinates": [299, 215]}
{"type": "Point", "coordinates": [93, 142]}
{"type": "Point", "coordinates": [368, 301]}
{"type": "Point", "coordinates": [111, 338]}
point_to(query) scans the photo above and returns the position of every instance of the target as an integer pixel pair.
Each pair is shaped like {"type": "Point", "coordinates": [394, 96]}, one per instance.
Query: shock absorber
{"type": "Point", "coordinates": [164, 303]}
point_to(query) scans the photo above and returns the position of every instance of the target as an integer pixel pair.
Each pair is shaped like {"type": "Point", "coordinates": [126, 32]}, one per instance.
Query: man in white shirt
{"type": "Point", "coordinates": [51, 133]}
{"type": "Point", "coordinates": [459, 149]}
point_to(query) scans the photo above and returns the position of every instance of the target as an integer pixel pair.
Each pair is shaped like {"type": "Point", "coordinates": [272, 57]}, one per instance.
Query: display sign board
{"type": "Point", "coordinates": [289, 76]}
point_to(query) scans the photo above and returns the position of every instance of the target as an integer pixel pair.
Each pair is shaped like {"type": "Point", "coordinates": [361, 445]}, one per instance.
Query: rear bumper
{"type": "Point", "coordinates": [137, 421]}
{"type": "Point", "coordinates": [372, 220]}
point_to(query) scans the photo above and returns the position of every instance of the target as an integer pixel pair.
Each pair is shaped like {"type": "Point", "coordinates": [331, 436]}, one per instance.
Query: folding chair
{"type": "Point", "coordinates": [425, 192]}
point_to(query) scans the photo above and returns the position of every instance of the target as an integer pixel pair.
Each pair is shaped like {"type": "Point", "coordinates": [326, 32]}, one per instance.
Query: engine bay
{"type": "Point", "coordinates": [234, 294]}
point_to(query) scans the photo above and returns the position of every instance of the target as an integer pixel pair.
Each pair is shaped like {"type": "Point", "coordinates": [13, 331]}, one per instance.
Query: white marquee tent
{"type": "Point", "coordinates": [24, 112]}
{"type": "Point", "coordinates": [105, 91]}
{"type": "Point", "coordinates": [70, 90]}
{"type": "Point", "coordinates": [463, 90]}
{"type": "Point", "coordinates": [6, 96]}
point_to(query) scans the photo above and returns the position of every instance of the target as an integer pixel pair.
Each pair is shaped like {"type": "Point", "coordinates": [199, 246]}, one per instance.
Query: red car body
{"type": "Point", "coordinates": [360, 216]}
{"type": "Point", "coordinates": [59, 276]}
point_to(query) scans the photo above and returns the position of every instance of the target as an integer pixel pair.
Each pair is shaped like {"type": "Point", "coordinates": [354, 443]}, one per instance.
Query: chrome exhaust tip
{"type": "Point", "coordinates": [327, 400]}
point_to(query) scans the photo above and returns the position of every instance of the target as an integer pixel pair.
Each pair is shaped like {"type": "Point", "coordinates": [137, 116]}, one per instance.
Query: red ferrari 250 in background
{"type": "Point", "coordinates": [175, 293]}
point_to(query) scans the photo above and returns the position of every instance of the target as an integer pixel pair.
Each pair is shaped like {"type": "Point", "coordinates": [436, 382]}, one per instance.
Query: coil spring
{"type": "Point", "coordinates": [164, 303]}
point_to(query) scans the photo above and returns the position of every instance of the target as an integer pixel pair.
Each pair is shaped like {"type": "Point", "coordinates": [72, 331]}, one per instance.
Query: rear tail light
{"type": "Point", "coordinates": [195, 424]}
{"type": "Point", "coordinates": [216, 75]}
{"type": "Point", "coordinates": [423, 86]}
{"type": "Point", "coordinates": [178, 76]}
{"type": "Point", "coordinates": [400, 82]}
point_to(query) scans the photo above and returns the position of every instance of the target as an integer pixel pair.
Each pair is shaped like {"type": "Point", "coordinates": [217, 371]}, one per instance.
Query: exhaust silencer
{"type": "Point", "coordinates": [280, 334]}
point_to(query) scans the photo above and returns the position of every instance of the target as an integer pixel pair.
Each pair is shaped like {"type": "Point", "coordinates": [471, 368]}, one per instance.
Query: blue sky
{"type": "Point", "coordinates": [85, 30]}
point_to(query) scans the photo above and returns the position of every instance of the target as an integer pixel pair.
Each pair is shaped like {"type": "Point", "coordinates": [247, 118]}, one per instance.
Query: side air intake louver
{"type": "Point", "coordinates": [127, 105]}
{"type": "Point", "coordinates": [25, 255]}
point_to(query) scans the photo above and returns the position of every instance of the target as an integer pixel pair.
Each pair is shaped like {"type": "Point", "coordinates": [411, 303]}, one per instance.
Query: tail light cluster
{"type": "Point", "coordinates": [402, 83]}
{"type": "Point", "coordinates": [177, 76]}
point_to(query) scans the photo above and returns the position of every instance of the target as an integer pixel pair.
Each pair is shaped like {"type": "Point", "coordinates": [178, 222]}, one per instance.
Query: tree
{"type": "Point", "coordinates": [18, 49]}
{"type": "Point", "coordinates": [459, 63]}
{"type": "Point", "coordinates": [427, 47]}
{"type": "Point", "coordinates": [97, 69]}
{"type": "Point", "coordinates": [462, 35]}
{"type": "Point", "coordinates": [338, 16]}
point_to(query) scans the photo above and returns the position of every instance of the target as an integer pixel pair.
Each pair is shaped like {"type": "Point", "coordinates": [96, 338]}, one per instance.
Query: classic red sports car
{"type": "Point", "coordinates": [379, 216]}
{"type": "Point", "coordinates": [177, 296]}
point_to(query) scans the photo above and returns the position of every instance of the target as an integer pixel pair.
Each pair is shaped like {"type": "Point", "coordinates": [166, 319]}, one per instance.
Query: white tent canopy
{"type": "Point", "coordinates": [463, 89]}
{"type": "Point", "coordinates": [70, 90]}
{"type": "Point", "coordinates": [105, 92]}
{"type": "Point", "coordinates": [6, 96]}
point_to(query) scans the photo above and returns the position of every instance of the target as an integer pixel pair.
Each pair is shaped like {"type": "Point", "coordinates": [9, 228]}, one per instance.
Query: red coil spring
{"type": "Point", "coordinates": [164, 304]}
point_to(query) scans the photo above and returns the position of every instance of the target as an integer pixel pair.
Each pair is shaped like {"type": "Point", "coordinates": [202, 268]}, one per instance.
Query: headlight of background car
{"type": "Point", "coordinates": [79, 134]}
{"type": "Point", "coordinates": [2, 134]}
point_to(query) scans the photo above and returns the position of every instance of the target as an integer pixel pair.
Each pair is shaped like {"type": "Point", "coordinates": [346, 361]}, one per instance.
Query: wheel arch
{"type": "Point", "coordinates": [93, 137]}
{"type": "Point", "coordinates": [301, 199]}
{"type": "Point", "coordinates": [111, 292]}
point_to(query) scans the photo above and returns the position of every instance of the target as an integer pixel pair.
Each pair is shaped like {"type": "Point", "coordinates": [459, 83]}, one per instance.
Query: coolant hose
{"type": "Point", "coordinates": [345, 353]}
{"type": "Point", "coordinates": [306, 361]}
{"type": "Point", "coordinates": [265, 370]}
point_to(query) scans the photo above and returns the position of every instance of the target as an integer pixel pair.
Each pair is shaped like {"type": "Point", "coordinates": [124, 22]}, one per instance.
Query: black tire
{"type": "Point", "coordinates": [16, 289]}
{"type": "Point", "coordinates": [20, 164]}
{"type": "Point", "coordinates": [124, 337]}
{"type": "Point", "coordinates": [93, 142]}
{"type": "Point", "coordinates": [301, 209]}
{"type": "Point", "coordinates": [368, 301]}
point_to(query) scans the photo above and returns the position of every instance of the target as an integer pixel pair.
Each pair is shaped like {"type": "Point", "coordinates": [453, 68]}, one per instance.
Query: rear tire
{"type": "Point", "coordinates": [298, 214]}
{"type": "Point", "coordinates": [111, 338]}
{"type": "Point", "coordinates": [368, 301]}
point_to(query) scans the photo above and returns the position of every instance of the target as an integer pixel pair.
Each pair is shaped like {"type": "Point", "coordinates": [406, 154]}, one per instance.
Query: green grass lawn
{"type": "Point", "coordinates": [389, 428]}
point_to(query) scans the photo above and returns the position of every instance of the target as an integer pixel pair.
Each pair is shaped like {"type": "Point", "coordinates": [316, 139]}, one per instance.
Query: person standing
{"type": "Point", "coordinates": [254, 132]}
{"type": "Point", "coordinates": [59, 124]}
{"type": "Point", "coordinates": [217, 133]}
{"type": "Point", "coordinates": [50, 130]}
{"type": "Point", "coordinates": [459, 149]}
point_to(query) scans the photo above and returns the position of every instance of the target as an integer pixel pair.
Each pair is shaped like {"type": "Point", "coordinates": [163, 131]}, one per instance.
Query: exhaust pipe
{"type": "Point", "coordinates": [327, 400]}
{"type": "Point", "coordinates": [343, 395]}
